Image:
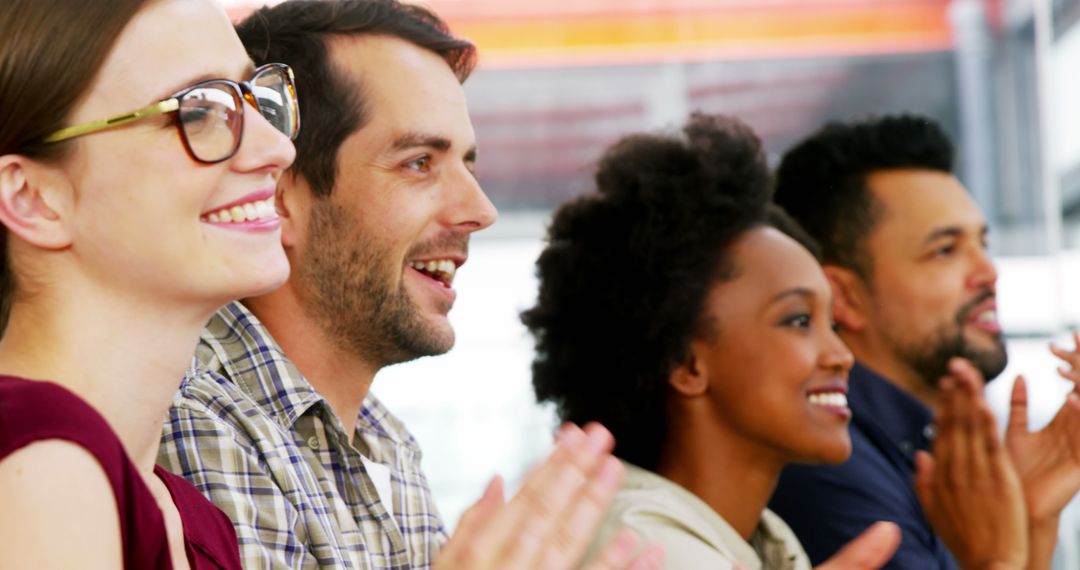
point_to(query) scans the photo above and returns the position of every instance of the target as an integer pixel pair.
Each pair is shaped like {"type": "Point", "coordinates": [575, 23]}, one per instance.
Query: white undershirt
{"type": "Point", "coordinates": [380, 477]}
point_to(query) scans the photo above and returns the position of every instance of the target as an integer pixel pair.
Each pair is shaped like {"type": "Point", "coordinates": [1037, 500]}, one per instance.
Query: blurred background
{"type": "Point", "coordinates": [559, 80]}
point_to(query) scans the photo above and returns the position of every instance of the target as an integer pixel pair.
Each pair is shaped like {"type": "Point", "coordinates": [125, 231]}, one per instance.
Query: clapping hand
{"type": "Point", "coordinates": [969, 488]}
{"type": "Point", "coordinates": [550, 522]}
{"type": "Point", "coordinates": [868, 551]}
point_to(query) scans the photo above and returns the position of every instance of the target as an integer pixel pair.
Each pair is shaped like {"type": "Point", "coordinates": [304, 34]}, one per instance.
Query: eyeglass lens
{"type": "Point", "coordinates": [277, 103]}
{"type": "Point", "coordinates": [211, 115]}
{"type": "Point", "coordinates": [210, 120]}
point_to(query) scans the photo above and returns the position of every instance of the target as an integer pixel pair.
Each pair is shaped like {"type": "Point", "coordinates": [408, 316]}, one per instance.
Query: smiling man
{"type": "Point", "coordinates": [276, 423]}
{"type": "Point", "coordinates": [905, 251]}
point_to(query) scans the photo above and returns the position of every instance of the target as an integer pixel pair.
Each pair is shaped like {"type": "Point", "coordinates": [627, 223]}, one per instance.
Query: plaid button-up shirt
{"type": "Point", "coordinates": [252, 434]}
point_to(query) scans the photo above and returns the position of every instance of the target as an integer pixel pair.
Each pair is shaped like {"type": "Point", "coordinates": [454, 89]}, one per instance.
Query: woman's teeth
{"type": "Point", "coordinates": [249, 212]}
{"type": "Point", "coordinates": [832, 399]}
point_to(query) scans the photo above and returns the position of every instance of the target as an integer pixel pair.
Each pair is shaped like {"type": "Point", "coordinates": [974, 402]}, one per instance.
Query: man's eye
{"type": "Point", "coordinates": [421, 164]}
{"type": "Point", "coordinates": [944, 251]}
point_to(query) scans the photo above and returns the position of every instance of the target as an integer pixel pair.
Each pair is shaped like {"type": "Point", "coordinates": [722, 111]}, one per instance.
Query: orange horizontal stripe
{"type": "Point", "coordinates": [523, 9]}
{"type": "Point", "coordinates": [502, 9]}
{"type": "Point", "coordinates": [601, 32]}
{"type": "Point", "coordinates": [740, 33]}
{"type": "Point", "coordinates": [641, 55]}
{"type": "Point", "coordinates": [712, 26]}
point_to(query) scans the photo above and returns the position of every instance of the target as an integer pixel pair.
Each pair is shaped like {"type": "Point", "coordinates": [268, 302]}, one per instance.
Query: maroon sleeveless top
{"type": "Point", "coordinates": [32, 411]}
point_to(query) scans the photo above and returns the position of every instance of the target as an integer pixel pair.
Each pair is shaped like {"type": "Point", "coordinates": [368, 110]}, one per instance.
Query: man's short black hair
{"type": "Point", "coordinates": [821, 182]}
{"type": "Point", "coordinates": [627, 269]}
{"type": "Point", "coordinates": [332, 106]}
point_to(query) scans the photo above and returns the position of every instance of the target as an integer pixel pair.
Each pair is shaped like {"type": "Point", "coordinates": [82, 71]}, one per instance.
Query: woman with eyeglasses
{"type": "Point", "coordinates": [139, 152]}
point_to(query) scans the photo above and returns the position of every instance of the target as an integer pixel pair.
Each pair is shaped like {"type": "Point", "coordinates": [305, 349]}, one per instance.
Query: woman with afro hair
{"type": "Point", "coordinates": [672, 311]}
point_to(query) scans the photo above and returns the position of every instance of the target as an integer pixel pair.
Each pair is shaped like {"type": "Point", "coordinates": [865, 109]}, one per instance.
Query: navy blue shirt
{"type": "Point", "coordinates": [828, 506]}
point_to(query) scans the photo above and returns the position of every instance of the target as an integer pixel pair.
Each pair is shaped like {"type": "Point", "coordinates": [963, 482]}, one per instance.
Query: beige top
{"type": "Point", "coordinates": [693, 535]}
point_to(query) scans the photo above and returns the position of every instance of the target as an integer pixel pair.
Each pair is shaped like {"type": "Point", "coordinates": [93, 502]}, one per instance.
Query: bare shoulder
{"type": "Point", "coordinates": [59, 509]}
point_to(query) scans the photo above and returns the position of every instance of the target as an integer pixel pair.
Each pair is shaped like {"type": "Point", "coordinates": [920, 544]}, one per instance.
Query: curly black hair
{"type": "Point", "coordinates": [627, 268]}
{"type": "Point", "coordinates": [821, 182]}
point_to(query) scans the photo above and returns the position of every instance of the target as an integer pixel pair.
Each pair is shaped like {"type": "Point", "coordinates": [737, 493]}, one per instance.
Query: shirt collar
{"type": "Point", "coordinates": [251, 358]}
{"type": "Point", "coordinates": [781, 547]}
{"type": "Point", "coordinates": [237, 342]}
{"type": "Point", "coordinates": [901, 417]}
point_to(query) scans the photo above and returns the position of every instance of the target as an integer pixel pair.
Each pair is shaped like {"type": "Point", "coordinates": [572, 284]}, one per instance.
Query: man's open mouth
{"type": "Point", "coordinates": [441, 270]}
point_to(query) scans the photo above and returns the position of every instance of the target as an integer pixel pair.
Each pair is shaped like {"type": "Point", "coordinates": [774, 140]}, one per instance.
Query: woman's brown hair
{"type": "Point", "coordinates": [50, 52]}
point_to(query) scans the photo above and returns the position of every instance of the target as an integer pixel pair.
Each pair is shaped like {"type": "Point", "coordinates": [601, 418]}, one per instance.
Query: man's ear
{"type": "Point", "coordinates": [691, 378]}
{"type": "Point", "coordinates": [292, 199]}
{"type": "Point", "coordinates": [36, 201]}
{"type": "Point", "coordinates": [850, 297]}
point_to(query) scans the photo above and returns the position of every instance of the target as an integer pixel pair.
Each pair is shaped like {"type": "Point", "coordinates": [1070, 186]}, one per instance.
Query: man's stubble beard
{"type": "Point", "coordinates": [344, 284]}
{"type": "Point", "coordinates": [930, 358]}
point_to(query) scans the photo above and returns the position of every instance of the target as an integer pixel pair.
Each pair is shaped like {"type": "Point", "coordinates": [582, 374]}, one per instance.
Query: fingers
{"type": "Point", "coordinates": [951, 449]}
{"type": "Point", "coordinates": [564, 546]}
{"type": "Point", "coordinates": [552, 517]}
{"type": "Point", "coordinates": [1072, 357]}
{"type": "Point", "coordinates": [977, 438]}
{"type": "Point", "coordinates": [461, 550]}
{"type": "Point", "coordinates": [620, 553]}
{"type": "Point", "coordinates": [651, 558]}
{"type": "Point", "coordinates": [870, 550]}
{"type": "Point", "coordinates": [1071, 372]}
{"type": "Point", "coordinates": [1072, 402]}
{"type": "Point", "coordinates": [982, 443]}
{"type": "Point", "coordinates": [998, 466]}
{"type": "Point", "coordinates": [964, 371]}
{"type": "Point", "coordinates": [561, 501]}
{"type": "Point", "coordinates": [924, 478]}
{"type": "Point", "coordinates": [1018, 409]}
{"type": "Point", "coordinates": [488, 503]}
{"type": "Point", "coordinates": [1064, 427]}
{"type": "Point", "coordinates": [617, 552]}
{"type": "Point", "coordinates": [968, 489]}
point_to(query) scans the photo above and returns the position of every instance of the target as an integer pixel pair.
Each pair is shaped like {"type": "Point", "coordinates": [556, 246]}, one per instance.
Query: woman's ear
{"type": "Point", "coordinates": [36, 201]}
{"type": "Point", "coordinates": [849, 297]}
{"type": "Point", "coordinates": [691, 378]}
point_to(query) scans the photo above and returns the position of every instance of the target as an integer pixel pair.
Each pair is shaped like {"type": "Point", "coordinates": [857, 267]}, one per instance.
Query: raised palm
{"type": "Point", "coordinates": [1048, 460]}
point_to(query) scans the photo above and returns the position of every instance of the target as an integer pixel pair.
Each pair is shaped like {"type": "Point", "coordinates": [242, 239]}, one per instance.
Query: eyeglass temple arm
{"type": "Point", "coordinates": [166, 106]}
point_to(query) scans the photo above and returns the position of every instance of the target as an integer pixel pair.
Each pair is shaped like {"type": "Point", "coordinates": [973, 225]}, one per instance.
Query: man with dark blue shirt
{"type": "Point", "coordinates": [904, 248]}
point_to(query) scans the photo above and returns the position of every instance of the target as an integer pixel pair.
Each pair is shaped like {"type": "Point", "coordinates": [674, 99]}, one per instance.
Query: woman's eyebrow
{"type": "Point", "coordinates": [804, 292]}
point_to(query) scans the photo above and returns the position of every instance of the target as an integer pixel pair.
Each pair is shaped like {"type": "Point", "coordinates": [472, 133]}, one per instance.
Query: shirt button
{"type": "Point", "coordinates": [313, 442]}
{"type": "Point", "coordinates": [906, 447]}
